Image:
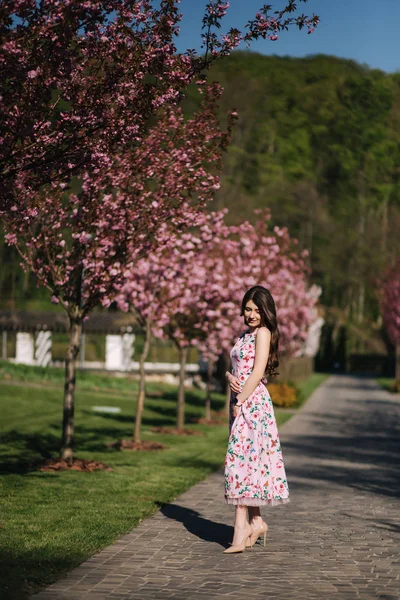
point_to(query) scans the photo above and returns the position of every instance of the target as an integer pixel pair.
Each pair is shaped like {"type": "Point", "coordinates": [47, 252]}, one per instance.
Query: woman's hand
{"type": "Point", "coordinates": [235, 410]}
{"type": "Point", "coordinates": [234, 383]}
{"type": "Point", "coordinates": [239, 401]}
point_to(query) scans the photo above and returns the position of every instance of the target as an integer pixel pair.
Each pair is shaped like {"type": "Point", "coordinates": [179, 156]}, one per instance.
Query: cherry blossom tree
{"type": "Point", "coordinates": [156, 291]}
{"type": "Point", "coordinates": [81, 87]}
{"type": "Point", "coordinates": [390, 307]}
{"type": "Point", "coordinates": [143, 293]}
{"type": "Point", "coordinates": [190, 291]}
{"type": "Point", "coordinates": [258, 255]}
{"type": "Point", "coordinates": [218, 309]}
{"type": "Point", "coordinates": [211, 268]}
{"type": "Point", "coordinates": [186, 299]}
{"type": "Point", "coordinates": [79, 79]}
{"type": "Point", "coordinates": [274, 260]}
{"type": "Point", "coordinates": [79, 244]}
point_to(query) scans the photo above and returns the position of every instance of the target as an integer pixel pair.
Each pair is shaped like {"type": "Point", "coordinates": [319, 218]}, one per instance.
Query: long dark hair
{"type": "Point", "coordinates": [264, 301]}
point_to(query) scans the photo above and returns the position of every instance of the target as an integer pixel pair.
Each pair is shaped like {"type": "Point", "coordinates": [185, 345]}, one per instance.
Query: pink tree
{"type": "Point", "coordinates": [212, 279]}
{"type": "Point", "coordinates": [79, 79]}
{"type": "Point", "coordinates": [167, 292]}
{"type": "Point", "coordinates": [275, 261]}
{"type": "Point", "coordinates": [143, 293]}
{"type": "Point", "coordinates": [218, 308]}
{"type": "Point", "coordinates": [390, 307]}
{"type": "Point", "coordinates": [186, 300]}
{"type": "Point", "coordinates": [256, 255]}
{"type": "Point", "coordinates": [79, 245]}
{"type": "Point", "coordinates": [81, 86]}
{"type": "Point", "coordinates": [190, 290]}
{"type": "Point", "coordinates": [212, 268]}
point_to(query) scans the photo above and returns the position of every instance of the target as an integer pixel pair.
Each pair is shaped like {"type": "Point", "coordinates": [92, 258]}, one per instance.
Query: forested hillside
{"type": "Point", "coordinates": [318, 142]}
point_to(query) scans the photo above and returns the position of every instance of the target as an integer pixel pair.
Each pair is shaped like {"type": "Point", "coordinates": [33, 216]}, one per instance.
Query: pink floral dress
{"type": "Point", "coordinates": [254, 470]}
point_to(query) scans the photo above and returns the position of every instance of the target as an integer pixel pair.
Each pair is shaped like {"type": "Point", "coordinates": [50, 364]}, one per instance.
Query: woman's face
{"type": "Point", "coordinates": [252, 314]}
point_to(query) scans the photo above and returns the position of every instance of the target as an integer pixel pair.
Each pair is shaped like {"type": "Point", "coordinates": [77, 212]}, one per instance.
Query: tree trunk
{"type": "Point", "coordinates": [75, 334]}
{"type": "Point", "coordinates": [25, 281]}
{"type": "Point", "coordinates": [180, 415]}
{"type": "Point", "coordinates": [210, 369]}
{"type": "Point", "coordinates": [385, 225]}
{"type": "Point", "coordinates": [142, 381]}
{"type": "Point", "coordinates": [228, 387]}
{"type": "Point", "coordinates": [361, 302]}
{"type": "Point", "coordinates": [397, 372]}
{"type": "Point", "coordinates": [13, 282]}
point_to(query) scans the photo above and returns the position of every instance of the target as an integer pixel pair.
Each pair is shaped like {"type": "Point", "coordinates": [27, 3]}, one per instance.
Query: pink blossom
{"type": "Point", "coordinates": [142, 171]}
{"type": "Point", "coordinates": [389, 296]}
{"type": "Point", "coordinates": [11, 239]}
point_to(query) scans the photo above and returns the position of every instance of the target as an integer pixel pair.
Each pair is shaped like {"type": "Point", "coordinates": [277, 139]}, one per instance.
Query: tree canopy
{"type": "Point", "coordinates": [318, 142]}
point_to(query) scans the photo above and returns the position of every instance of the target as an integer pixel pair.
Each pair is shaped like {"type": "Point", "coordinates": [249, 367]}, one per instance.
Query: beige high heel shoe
{"type": "Point", "coordinates": [240, 547]}
{"type": "Point", "coordinates": [262, 530]}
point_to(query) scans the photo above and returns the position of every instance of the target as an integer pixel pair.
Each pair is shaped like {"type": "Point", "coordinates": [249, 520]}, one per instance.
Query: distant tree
{"type": "Point", "coordinates": [306, 127]}
{"type": "Point", "coordinates": [390, 306]}
{"type": "Point", "coordinates": [358, 128]}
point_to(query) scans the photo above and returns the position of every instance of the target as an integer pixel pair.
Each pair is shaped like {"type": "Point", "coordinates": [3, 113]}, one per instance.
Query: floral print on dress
{"type": "Point", "coordinates": [254, 469]}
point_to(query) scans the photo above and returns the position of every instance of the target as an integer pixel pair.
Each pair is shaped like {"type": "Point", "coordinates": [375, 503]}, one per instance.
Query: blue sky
{"type": "Point", "coordinates": [367, 31]}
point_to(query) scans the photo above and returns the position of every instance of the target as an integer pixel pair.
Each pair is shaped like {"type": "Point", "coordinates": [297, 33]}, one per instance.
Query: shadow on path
{"type": "Point", "coordinates": [204, 529]}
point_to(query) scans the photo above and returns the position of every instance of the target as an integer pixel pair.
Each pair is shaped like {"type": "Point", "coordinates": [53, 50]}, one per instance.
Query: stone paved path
{"type": "Point", "coordinates": [337, 538]}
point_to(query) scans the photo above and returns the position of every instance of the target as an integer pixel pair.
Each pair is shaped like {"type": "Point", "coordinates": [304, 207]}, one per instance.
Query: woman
{"type": "Point", "coordinates": [254, 470]}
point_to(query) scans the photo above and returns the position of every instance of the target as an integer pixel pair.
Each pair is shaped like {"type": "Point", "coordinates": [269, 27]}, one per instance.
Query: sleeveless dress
{"type": "Point", "coordinates": [254, 469]}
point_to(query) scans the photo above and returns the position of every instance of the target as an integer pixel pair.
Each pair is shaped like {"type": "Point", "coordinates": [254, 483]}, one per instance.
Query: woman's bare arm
{"type": "Point", "coordinates": [263, 341]}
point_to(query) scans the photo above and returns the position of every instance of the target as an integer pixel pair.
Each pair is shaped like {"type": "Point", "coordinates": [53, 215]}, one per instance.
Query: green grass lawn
{"type": "Point", "coordinates": [387, 383]}
{"type": "Point", "coordinates": [305, 388]}
{"type": "Point", "coordinates": [51, 522]}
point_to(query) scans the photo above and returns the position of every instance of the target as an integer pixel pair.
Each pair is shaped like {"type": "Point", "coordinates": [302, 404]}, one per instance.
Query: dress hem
{"type": "Point", "coordinates": [256, 501]}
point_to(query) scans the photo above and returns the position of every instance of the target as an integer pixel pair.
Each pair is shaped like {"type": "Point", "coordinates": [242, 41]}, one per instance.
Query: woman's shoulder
{"type": "Point", "coordinates": [263, 332]}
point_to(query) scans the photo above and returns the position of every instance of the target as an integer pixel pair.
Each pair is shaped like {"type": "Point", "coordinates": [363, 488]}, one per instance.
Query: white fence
{"type": "Point", "coordinates": [35, 349]}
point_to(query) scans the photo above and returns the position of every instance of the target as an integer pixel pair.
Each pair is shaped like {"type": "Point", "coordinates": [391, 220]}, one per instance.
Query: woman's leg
{"type": "Point", "coordinates": [258, 526]}
{"type": "Point", "coordinates": [241, 525]}
{"type": "Point", "coordinates": [255, 515]}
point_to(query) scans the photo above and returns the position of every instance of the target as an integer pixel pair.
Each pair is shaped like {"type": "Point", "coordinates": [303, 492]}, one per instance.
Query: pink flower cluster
{"type": "Point", "coordinates": [80, 244]}
{"type": "Point", "coordinates": [390, 302]}
{"type": "Point", "coordinates": [95, 155]}
{"type": "Point", "coordinates": [81, 80]}
{"type": "Point", "coordinates": [191, 288]}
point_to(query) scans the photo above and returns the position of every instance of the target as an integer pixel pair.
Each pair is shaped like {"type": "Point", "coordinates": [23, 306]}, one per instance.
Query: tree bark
{"type": "Point", "coordinates": [385, 225]}
{"type": "Point", "coordinates": [142, 382]}
{"type": "Point", "coordinates": [180, 415]}
{"type": "Point", "coordinates": [361, 301]}
{"type": "Point", "coordinates": [13, 282]}
{"type": "Point", "coordinates": [75, 334]}
{"type": "Point", "coordinates": [210, 369]}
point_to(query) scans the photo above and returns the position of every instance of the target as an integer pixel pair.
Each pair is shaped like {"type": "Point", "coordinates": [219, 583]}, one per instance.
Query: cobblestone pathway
{"type": "Point", "coordinates": [337, 538]}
